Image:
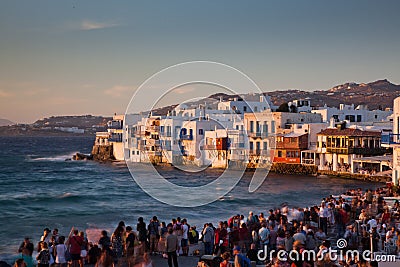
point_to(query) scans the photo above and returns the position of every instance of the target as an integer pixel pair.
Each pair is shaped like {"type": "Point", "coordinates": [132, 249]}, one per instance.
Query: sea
{"type": "Point", "coordinates": [41, 187]}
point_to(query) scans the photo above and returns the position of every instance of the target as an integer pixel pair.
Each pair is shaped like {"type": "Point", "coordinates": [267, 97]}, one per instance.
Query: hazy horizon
{"type": "Point", "coordinates": [88, 57]}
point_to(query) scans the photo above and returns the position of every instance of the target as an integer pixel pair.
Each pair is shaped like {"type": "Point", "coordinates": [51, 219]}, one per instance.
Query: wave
{"type": "Point", "coordinates": [33, 197]}
{"type": "Point", "coordinates": [60, 158]}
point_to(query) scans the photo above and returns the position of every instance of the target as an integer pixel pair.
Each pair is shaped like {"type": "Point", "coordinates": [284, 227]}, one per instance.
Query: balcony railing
{"type": "Point", "coordinates": [257, 134]}
{"type": "Point", "coordinates": [357, 150]}
{"type": "Point", "coordinates": [153, 127]}
{"type": "Point", "coordinates": [390, 139]}
{"type": "Point", "coordinates": [115, 139]}
{"type": "Point", "coordinates": [258, 152]}
{"type": "Point", "coordinates": [186, 137]}
{"type": "Point", "coordinates": [116, 125]}
{"type": "Point", "coordinates": [209, 147]}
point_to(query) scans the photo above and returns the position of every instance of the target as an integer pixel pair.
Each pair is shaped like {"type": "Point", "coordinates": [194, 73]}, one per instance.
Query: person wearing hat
{"type": "Point", "coordinates": [240, 260]}
{"type": "Point", "coordinates": [27, 244]}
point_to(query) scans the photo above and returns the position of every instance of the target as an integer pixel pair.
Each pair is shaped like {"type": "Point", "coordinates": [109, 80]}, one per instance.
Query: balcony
{"type": "Point", "coordinates": [153, 142]}
{"type": "Point", "coordinates": [209, 147]}
{"type": "Point", "coordinates": [258, 152]}
{"type": "Point", "coordinates": [257, 135]}
{"type": "Point", "coordinates": [153, 128]}
{"type": "Point", "coordinates": [116, 125]}
{"type": "Point", "coordinates": [291, 145]}
{"type": "Point", "coordinates": [186, 137]}
{"type": "Point", "coordinates": [357, 150]}
{"type": "Point", "coordinates": [390, 139]}
{"type": "Point", "coordinates": [115, 139]}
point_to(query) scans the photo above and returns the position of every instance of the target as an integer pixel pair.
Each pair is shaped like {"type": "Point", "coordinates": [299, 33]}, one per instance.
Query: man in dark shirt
{"type": "Point", "coordinates": [26, 244]}
{"type": "Point", "coordinates": [130, 241]}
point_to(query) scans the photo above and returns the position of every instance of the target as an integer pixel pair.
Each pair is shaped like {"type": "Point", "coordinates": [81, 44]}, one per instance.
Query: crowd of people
{"type": "Point", "coordinates": [358, 217]}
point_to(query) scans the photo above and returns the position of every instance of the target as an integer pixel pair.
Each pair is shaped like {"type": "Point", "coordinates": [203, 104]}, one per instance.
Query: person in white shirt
{"type": "Point", "coordinates": [372, 223]}
{"type": "Point", "coordinates": [184, 241]}
{"type": "Point", "coordinates": [46, 236]}
{"type": "Point", "coordinates": [390, 234]}
{"type": "Point", "coordinates": [323, 217]}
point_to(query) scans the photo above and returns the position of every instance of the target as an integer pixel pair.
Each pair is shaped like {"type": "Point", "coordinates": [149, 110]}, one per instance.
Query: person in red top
{"type": "Point", "coordinates": [75, 243]}
{"type": "Point", "coordinates": [244, 237]}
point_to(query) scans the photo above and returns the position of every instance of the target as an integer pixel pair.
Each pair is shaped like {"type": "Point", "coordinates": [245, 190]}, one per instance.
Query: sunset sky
{"type": "Point", "coordinates": [88, 57]}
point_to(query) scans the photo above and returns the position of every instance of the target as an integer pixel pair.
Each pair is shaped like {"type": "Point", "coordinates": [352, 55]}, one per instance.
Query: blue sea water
{"type": "Point", "coordinates": [39, 189]}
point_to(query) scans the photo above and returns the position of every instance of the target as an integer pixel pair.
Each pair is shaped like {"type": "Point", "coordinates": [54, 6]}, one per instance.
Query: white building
{"type": "Point", "coordinates": [353, 115]}
{"type": "Point", "coordinates": [115, 128]}
{"type": "Point", "coordinates": [242, 106]}
{"type": "Point", "coordinates": [393, 140]}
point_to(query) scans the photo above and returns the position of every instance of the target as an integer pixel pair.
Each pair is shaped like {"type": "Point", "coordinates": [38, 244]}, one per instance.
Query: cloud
{"type": "Point", "coordinates": [88, 25]}
{"type": "Point", "coordinates": [119, 90]}
{"type": "Point", "coordinates": [5, 94]}
{"type": "Point", "coordinates": [183, 90]}
{"type": "Point", "coordinates": [33, 92]}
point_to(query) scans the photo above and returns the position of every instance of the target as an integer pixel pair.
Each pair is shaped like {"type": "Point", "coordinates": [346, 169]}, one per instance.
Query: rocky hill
{"type": "Point", "coordinates": [58, 125]}
{"type": "Point", "coordinates": [376, 95]}
{"type": "Point", "coordinates": [5, 122]}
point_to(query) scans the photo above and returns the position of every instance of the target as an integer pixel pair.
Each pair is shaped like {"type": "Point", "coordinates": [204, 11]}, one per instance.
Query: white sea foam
{"type": "Point", "coordinates": [51, 158]}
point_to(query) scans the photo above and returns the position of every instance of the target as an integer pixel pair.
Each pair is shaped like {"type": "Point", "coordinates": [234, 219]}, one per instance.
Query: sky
{"type": "Point", "coordinates": [89, 57]}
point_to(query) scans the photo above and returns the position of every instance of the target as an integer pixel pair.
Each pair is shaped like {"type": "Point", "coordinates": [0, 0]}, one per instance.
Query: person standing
{"type": "Point", "coordinates": [185, 241]}
{"type": "Point", "coordinates": [43, 258]}
{"type": "Point", "coordinates": [60, 251]}
{"type": "Point", "coordinates": [26, 244]}
{"type": "Point", "coordinates": [117, 244]}
{"type": "Point", "coordinates": [153, 234]}
{"type": "Point", "coordinates": [323, 217]}
{"type": "Point", "coordinates": [208, 239]}
{"type": "Point", "coordinates": [171, 245]}
{"type": "Point", "coordinates": [142, 233]}
{"type": "Point", "coordinates": [75, 242]}
{"type": "Point", "coordinates": [46, 236]}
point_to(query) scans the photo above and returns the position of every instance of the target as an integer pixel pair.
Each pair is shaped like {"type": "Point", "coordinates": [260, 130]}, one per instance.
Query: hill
{"type": "Point", "coordinates": [376, 95]}
{"type": "Point", "coordinates": [58, 125]}
{"type": "Point", "coordinates": [5, 122]}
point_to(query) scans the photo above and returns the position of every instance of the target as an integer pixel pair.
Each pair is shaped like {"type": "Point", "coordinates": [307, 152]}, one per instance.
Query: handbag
{"type": "Point", "coordinates": [67, 255]}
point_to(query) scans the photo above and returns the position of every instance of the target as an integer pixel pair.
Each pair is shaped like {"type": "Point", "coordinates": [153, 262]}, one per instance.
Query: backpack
{"type": "Point", "coordinates": [243, 261]}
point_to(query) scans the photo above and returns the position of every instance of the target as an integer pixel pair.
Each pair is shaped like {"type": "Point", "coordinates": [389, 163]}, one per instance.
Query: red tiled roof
{"type": "Point", "coordinates": [349, 132]}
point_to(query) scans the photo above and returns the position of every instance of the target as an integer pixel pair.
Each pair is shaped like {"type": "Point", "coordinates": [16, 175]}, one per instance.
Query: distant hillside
{"type": "Point", "coordinates": [376, 95]}
{"type": "Point", "coordinates": [4, 122]}
{"type": "Point", "coordinates": [58, 125]}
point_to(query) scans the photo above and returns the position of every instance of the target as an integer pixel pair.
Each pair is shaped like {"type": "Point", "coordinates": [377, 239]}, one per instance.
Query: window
{"type": "Point", "coordinates": [137, 152]}
{"type": "Point", "coordinates": [251, 126]}
{"type": "Point", "coordinates": [251, 146]}
{"type": "Point", "coordinates": [279, 154]}
{"type": "Point", "coordinates": [358, 118]}
{"type": "Point", "coordinates": [350, 118]}
{"type": "Point", "coordinates": [265, 145]}
{"type": "Point", "coordinates": [265, 127]}
{"type": "Point", "coordinates": [376, 116]}
{"type": "Point", "coordinates": [201, 132]}
{"type": "Point", "coordinates": [244, 109]}
{"type": "Point", "coordinates": [255, 109]}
